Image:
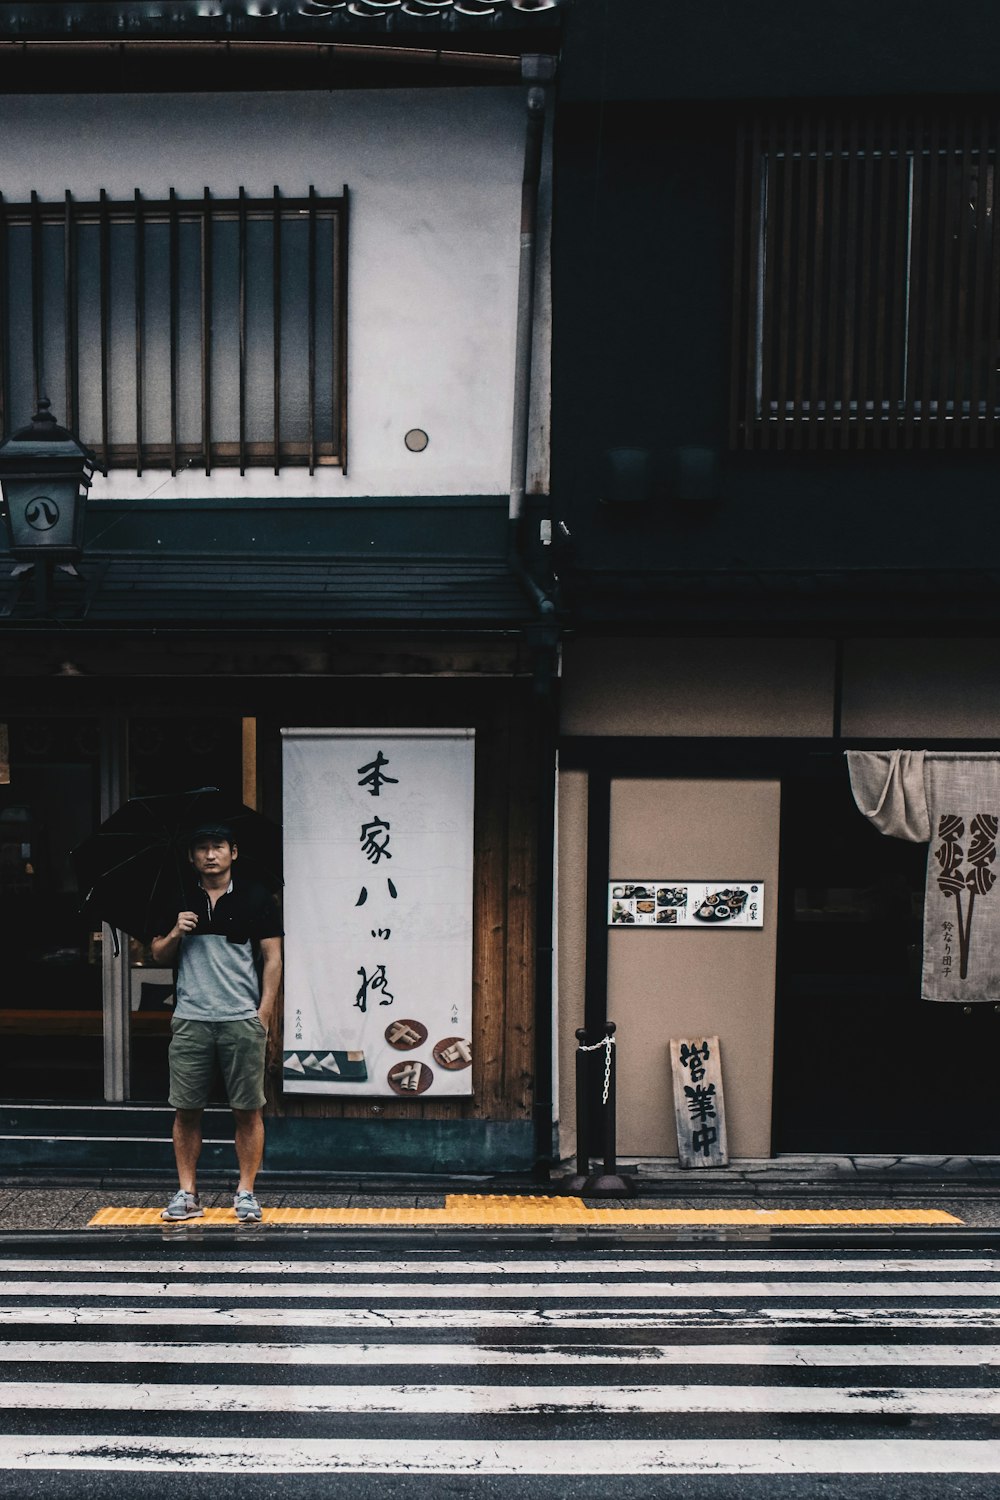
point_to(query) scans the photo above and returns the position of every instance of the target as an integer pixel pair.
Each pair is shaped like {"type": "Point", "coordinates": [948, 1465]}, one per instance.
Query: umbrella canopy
{"type": "Point", "coordinates": [134, 872]}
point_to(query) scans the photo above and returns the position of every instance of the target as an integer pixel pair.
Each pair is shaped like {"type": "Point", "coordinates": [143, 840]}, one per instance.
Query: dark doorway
{"type": "Point", "coordinates": [51, 1012]}
{"type": "Point", "coordinates": [171, 754]}
{"type": "Point", "coordinates": [862, 1063]}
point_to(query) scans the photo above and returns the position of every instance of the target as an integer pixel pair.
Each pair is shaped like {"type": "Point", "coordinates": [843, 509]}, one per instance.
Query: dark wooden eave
{"type": "Point", "coordinates": [191, 45]}
{"type": "Point", "coordinates": [129, 590]}
{"type": "Point", "coordinates": [318, 19]}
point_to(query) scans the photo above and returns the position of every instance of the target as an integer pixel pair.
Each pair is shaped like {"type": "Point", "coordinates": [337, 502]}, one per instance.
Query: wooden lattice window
{"type": "Point", "coordinates": [866, 283]}
{"type": "Point", "coordinates": [180, 333]}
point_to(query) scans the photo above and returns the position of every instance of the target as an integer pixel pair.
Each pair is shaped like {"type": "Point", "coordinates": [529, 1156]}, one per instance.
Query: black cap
{"type": "Point", "coordinates": [212, 831]}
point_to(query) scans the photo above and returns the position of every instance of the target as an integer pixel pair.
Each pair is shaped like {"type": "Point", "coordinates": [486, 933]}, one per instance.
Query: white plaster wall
{"type": "Point", "coordinates": [435, 183]}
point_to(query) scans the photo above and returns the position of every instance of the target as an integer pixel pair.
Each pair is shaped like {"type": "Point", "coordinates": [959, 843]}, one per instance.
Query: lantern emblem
{"type": "Point", "coordinates": [42, 513]}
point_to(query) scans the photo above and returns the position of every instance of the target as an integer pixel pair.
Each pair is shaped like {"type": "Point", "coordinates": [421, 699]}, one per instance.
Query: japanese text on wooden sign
{"type": "Point", "coordinates": [699, 1108]}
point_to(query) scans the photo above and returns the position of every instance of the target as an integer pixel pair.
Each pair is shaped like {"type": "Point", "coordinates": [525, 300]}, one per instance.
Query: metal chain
{"type": "Point", "coordinates": [607, 1044]}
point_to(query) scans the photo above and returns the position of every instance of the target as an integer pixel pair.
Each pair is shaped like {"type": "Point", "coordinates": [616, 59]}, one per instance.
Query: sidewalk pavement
{"type": "Point", "coordinates": [966, 1188]}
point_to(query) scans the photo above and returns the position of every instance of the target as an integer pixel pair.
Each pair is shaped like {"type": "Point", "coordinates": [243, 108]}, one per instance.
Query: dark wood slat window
{"type": "Point", "coordinates": [865, 311]}
{"type": "Point", "coordinates": [186, 334]}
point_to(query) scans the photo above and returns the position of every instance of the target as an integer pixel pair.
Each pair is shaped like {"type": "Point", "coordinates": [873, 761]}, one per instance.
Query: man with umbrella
{"type": "Point", "coordinates": [227, 954]}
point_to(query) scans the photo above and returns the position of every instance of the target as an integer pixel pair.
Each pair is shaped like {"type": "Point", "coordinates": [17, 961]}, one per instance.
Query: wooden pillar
{"type": "Point", "coordinates": [250, 796]}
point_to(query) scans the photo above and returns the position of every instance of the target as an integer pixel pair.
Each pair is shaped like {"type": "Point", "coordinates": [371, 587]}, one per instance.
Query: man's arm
{"type": "Point", "coordinates": [270, 979]}
{"type": "Point", "coordinates": [164, 949]}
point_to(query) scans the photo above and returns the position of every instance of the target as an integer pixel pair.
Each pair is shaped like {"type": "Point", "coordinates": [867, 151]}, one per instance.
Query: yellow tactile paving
{"type": "Point", "coordinates": [478, 1210]}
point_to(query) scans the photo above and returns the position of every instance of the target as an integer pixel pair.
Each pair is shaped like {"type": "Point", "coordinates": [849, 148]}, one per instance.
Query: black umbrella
{"type": "Point", "coordinates": [134, 872]}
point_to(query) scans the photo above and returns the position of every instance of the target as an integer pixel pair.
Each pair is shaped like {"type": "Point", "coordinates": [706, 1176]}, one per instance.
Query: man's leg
{"type": "Point", "coordinates": [242, 1047]}
{"type": "Point", "coordinates": [249, 1146]}
{"type": "Point", "coordinates": [191, 1057]}
{"type": "Point", "coordinates": [187, 1147]}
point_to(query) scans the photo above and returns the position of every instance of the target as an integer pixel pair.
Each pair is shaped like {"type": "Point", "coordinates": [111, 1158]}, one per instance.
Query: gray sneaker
{"type": "Point", "coordinates": [183, 1206]}
{"type": "Point", "coordinates": [246, 1206]}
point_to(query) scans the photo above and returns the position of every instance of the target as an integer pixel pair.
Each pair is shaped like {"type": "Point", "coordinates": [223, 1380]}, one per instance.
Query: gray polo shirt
{"type": "Point", "coordinates": [217, 965]}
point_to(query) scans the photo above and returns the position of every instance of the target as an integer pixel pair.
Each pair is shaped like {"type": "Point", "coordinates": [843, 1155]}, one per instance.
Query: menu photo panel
{"type": "Point", "coordinates": [709, 905]}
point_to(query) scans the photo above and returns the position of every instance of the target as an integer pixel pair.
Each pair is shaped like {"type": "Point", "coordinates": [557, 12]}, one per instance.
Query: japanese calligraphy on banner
{"type": "Point", "coordinates": [952, 799]}
{"type": "Point", "coordinates": [378, 911]}
{"type": "Point", "coordinates": [686, 903]}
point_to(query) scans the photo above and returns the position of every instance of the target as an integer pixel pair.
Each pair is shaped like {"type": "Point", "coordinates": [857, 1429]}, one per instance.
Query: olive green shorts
{"type": "Point", "coordinates": [239, 1047]}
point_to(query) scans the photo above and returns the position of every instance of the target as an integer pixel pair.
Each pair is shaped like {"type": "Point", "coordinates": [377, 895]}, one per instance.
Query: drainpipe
{"type": "Point", "coordinates": [536, 70]}
{"type": "Point", "coordinates": [544, 636]}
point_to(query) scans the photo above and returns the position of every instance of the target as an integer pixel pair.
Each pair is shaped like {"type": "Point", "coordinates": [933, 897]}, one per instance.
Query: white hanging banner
{"type": "Point", "coordinates": [378, 911]}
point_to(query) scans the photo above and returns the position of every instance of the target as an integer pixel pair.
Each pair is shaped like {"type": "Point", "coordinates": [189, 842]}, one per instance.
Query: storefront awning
{"type": "Point", "coordinates": [134, 590]}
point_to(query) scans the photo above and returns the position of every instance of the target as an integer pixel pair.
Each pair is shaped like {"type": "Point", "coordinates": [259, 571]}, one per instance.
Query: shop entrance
{"type": "Point", "coordinates": [51, 1013]}
{"type": "Point", "coordinates": [863, 1064]}
{"type": "Point", "coordinates": [172, 754]}
{"type": "Point", "coordinates": [76, 1024]}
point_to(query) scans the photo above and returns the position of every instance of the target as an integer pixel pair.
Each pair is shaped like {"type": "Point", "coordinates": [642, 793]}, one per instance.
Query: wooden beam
{"type": "Point", "coordinates": [250, 762]}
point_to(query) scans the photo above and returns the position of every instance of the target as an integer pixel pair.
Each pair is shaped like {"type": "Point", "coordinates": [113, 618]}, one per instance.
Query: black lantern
{"type": "Point", "coordinates": [45, 473]}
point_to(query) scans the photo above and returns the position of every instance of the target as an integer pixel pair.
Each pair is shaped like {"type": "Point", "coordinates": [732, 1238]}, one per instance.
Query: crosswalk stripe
{"type": "Point", "coordinates": [470, 1400]}
{"type": "Point", "coordinates": [804, 1356]}
{"type": "Point", "coordinates": [724, 1262]}
{"type": "Point", "coordinates": [438, 1290]}
{"type": "Point", "coordinates": [540, 1318]}
{"type": "Point", "coordinates": [200, 1455]}
{"type": "Point", "coordinates": [732, 1361]}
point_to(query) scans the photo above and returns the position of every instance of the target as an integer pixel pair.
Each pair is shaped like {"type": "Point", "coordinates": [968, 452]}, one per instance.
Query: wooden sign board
{"type": "Point", "coordinates": [696, 1067]}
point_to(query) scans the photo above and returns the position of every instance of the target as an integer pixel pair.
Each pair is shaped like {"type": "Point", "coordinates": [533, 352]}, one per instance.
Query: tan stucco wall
{"type": "Point", "coordinates": [921, 689]}
{"type": "Point", "coordinates": [672, 983]}
{"type": "Point", "coordinates": [571, 931]}
{"type": "Point", "coordinates": [690, 687]}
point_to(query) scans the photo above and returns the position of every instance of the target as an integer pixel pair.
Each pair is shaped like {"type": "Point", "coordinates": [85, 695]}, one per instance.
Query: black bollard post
{"type": "Point", "coordinates": [583, 1071]}
{"type": "Point", "coordinates": [586, 1107]}
{"type": "Point", "coordinates": [611, 1113]}
{"type": "Point", "coordinates": [609, 1183]}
